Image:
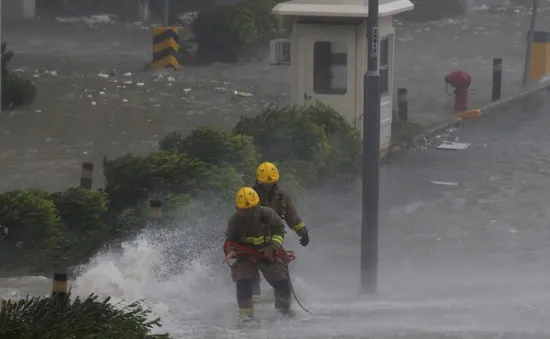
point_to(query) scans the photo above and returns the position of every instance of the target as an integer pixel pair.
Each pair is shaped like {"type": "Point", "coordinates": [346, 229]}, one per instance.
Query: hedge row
{"type": "Point", "coordinates": [310, 145]}
{"type": "Point", "coordinates": [227, 32]}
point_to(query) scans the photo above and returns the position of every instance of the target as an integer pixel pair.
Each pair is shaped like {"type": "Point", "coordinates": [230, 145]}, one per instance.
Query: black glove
{"type": "Point", "coordinates": [305, 240]}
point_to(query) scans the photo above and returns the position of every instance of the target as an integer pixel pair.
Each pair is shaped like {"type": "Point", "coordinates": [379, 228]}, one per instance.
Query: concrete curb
{"type": "Point", "coordinates": [456, 120]}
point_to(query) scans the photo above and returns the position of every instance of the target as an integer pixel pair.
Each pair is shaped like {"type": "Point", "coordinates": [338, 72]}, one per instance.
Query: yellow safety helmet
{"type": "Point", "coordinates": [247, 198]}
{"type": "Point", "coordinates": [267, 173]}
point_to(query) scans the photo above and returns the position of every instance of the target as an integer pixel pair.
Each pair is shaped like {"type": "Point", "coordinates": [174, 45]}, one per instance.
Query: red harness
{"type": "Point", "coordinates": [246, 252]}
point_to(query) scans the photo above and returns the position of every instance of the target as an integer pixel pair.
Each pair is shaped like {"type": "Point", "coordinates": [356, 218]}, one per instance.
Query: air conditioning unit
{"type": "Point", "coordinates": [279, 52]}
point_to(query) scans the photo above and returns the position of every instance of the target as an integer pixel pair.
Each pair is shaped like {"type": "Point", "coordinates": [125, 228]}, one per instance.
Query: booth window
{"type": "Point", "coordinates": [330, 67]}
{"type": "Point", "coordinates": [384, 66]}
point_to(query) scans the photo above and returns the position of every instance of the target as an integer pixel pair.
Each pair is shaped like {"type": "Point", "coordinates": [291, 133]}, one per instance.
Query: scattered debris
{"type": "Point", "coordinates": [447, 183]}
{"type": "Point", "coordinates": [171, 79]}
{"type": "Point", "coordinates": [451, 145]}
{"type": "Point", "coordinates": [481, 8]}
{"type": "Point", "coordinates": [242, 94]}
{"type": "Point", "coordinates": [90, 20]}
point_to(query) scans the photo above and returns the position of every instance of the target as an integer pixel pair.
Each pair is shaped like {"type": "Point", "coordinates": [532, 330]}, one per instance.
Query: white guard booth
{"type": "Point", "coordinates": [327, 53]}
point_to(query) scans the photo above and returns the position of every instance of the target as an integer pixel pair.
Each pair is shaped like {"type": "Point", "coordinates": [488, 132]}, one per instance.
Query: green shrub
{"type": "Point", "coordinates": [224, 33]}
{"type": "Point", "coordinates": [131, 179]}
{"type": "Point", "coordinates": [344, 160]}
{"type": "Point", "coordinates": [283, 133]}
{"type": "Point", "coordinates": [222, 182]}
{"type": "Point", "coordinates": [83, 226]}
{"type": "Point", "coordinates": [267, 24]}
{"type": "Point", "coordinates": [127, 180]}
{"type": "Point", "coordinates": [227, 32]}
{"type": "Point", "coordinates": [34, 229]}
{"type": "Point", "coordinates": [215, 147]}
{"type": "Point", "coordinates": [90, 318]}
{"type": "Point", "coordinates": [315, 142]}
{"type": "Point", "coordinates": [31, 218]}
{"type": "Point", "coordinates": [16, 91]}
{"type": "Point", "coordinates": [173, 204]}
{"type": "Point", "coordinates": [287, 135]}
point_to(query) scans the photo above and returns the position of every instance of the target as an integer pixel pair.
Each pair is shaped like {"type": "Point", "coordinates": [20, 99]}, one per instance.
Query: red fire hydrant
{"type": "Point", "coordinates": [460, 81]}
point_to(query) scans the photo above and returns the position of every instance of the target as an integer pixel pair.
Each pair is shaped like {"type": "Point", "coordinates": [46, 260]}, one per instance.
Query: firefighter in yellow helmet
{"type": "Point", "coordinates": [279, 199]}
{"type": "Point", "coordinates": [256, 229]}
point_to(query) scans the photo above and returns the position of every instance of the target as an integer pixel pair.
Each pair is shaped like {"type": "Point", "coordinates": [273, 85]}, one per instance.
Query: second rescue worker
{"type": "Point", "coordinates": [272, 195]}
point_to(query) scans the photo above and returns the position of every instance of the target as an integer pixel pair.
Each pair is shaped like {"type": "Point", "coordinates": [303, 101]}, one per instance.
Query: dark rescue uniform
{"type": "Point", "coordinates": [281, 202]}
{"type": "Point", "coordinates": [266, 229]}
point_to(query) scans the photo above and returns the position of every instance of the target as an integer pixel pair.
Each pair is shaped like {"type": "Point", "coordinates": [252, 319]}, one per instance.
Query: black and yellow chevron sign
{"type": "Point", "coordinates": [165, 47]}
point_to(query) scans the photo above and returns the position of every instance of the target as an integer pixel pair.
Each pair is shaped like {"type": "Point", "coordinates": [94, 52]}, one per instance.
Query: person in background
{"type": "Point", "coordinates": [273, 195]}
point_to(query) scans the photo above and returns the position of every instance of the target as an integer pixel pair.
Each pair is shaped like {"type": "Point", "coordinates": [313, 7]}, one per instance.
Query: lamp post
{"type": "Point", "coordinates": [371, 157]}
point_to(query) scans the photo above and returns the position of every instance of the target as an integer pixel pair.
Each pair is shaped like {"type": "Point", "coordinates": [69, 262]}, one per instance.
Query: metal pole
{"type": "Point", "coordinates": [497, 79]}
{"type": "Point", "coordinates": [166, 12]}
{"type": "Point", "coordinates": [402, 104]}
{"type": "Point", "coordinates": [87, 174]}
{"type": "Point", "coordinates": [59, 287]}
{"type": "Point", "coordinates": [530, 42]}
{"type": "Point", "coordinates": [155, 212]}
{"type": "Point", "coordinates": [371, 157]}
